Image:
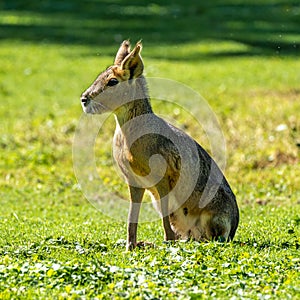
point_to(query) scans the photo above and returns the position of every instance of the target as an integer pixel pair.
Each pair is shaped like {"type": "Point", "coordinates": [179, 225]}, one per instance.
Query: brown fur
{"type": "Point", "coordinates": [218, 220]}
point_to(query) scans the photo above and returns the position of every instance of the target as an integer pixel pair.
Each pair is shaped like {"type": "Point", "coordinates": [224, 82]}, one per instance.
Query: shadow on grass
{"type": "Point", "coordinates": [267, 27]}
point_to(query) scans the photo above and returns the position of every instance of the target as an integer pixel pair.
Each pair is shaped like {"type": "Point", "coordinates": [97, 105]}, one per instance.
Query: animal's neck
{"type": "Point", "coordinates": [139, 105]}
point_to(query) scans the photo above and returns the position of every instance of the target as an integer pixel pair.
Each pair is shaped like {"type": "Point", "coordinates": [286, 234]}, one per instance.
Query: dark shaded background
{"type": "Point", "coordinates": [269, 27]}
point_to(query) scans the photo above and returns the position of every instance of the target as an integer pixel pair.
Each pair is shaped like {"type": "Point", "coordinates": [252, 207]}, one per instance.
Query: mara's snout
{"type": "Point", "coordinates": [85, 101]}
{"type": "Point", "coordinates": [91, 106]}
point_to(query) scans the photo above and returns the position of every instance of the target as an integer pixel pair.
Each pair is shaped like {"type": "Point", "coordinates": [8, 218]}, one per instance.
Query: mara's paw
{"type": "Point", "coordinates": [130, 246]}
{"type": "Point", "coordinates": [144, 244]}
{"type": "Point", "coordinates": [221, 239]}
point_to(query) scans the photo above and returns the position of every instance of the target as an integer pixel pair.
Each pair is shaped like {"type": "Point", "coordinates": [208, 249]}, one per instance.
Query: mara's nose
{"type": "Point", "coordinates": [85, 100]}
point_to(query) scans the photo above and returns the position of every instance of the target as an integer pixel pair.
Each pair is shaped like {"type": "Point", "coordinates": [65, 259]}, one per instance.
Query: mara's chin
{"type": "Point", "coordinates": [94, 109]}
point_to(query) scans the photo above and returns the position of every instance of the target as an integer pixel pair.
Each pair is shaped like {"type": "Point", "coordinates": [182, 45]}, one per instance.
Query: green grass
{"type": "Point", "coordinates": [242, 56]}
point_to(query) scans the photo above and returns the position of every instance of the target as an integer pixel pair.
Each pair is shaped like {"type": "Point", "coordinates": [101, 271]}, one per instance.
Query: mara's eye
{"type": "Point", "coordinates": [112, 81]}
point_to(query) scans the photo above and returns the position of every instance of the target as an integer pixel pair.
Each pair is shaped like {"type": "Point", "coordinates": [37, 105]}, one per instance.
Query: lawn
{"type": "Point", "coordinates": [241, 56]}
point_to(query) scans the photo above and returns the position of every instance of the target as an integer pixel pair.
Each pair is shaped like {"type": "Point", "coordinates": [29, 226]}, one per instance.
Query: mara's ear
{"type": "Point", "coordinates": [133, 62]}
{"type": "Point", "coordinates": [122, 52]}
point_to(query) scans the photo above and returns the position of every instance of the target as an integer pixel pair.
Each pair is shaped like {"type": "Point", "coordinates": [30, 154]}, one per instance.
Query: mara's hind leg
{"type": "Point", "coordinates": [212, 227]}
{"type": "Point", "coordinates": [218, 228]}
{"type": "Point", "coordinates": [220, 218]}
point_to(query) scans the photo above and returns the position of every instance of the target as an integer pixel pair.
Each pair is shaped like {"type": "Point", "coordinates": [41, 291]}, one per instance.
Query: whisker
{"type": "Point", "coordinates": [97, 105]}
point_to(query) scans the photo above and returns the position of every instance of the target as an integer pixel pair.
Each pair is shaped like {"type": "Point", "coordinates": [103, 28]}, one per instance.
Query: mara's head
{"type": "Point", "coordinates": [127, 67]}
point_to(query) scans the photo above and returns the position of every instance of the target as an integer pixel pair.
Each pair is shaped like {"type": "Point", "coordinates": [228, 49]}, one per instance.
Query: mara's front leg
{"type": "Point", "coordinates": [136, 196]}
{"type": "Point", "coordinates": [163, 191]}
{"type": "Point", "coordinates": [169, 233]}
